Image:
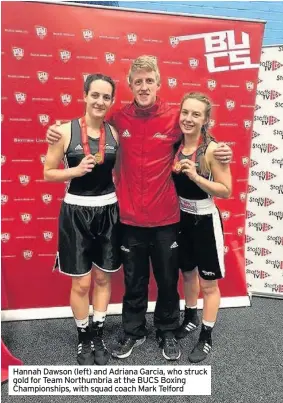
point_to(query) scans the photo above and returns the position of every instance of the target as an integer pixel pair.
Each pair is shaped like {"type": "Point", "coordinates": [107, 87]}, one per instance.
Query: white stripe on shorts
{"type": "Point", "coordinates": [91, 201]}
{"type": "Point", "coordinates": [219, 240]}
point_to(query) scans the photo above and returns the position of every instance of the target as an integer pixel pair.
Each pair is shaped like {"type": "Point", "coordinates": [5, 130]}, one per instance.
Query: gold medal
{"type": "Point", "coordinates": [177, 167]}
{"type": "Point", "coordinates": [98, 158]}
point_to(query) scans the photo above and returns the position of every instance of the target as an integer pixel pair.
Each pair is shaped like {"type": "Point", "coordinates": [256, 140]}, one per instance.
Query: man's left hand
{"type": "Point", "coordinates": [223, 153]}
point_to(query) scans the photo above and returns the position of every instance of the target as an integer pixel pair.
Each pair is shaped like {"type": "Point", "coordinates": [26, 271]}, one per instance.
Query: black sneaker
{"type": "Point", "coordinates": [190, 323]}
{"type": "Point", "coordinates": [85, 350]}
{"type": "Point", "coordinates": [101, 354]}
{"type": "Point", "coordinates": [203, 346]}
{"type": "Point", "coordinates": [126, 346]}
{"type": "Point", "coordinates": [170, 346]}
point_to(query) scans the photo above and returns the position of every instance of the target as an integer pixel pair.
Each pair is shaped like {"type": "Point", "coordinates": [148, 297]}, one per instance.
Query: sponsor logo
{"type": "Point", "coordinates": [18, 53]}
{"type": "Point", "coordinates": [279, 78]}
{"type": "Point", "coordinates": [278, 133]}
{"type": "Point", "coordinates": [248, 262]}
{"type": "Point", "coordinates": [274, 287]}
{"type": "Point", "coordinates": [278, 240]}
{"type": "Point", "coordinates": [258, 251]}
{"type": "Point", "coordinates": [277, 214]}
{"type": "Point", "coordinates": [123, 248]}
{"type": "Point", "coordinates": [26, 217]}
{"type": "Point", "coordinates": [47, 235]}
{"type": "Point", "coordinates": [193, 63]}
{"type": "Point", "coordinates": [160, 136]}
{"type": "Point", "coordinates": [174, 41]}
{"type": "Point", "coordinates": [211, 123]}
{"type": "Point", "coordinates": [230, 104]}
{"type": "Point", "coordinates": [46, 198]}
{"type": "Point", "coordinates": [208, 273]}
{"type": "Point", "coordinates": [224, 45]}
{"type": "Point", "coordinates": [172, 82]}
{"type": "Point", "coordinates": [277, 264]}
{"type": "Point", "coordinates": [41, 32]}
{"type": "Point", "coordinates": [4, 199]}
{"type": "Point", "coordinates": [259, 81]}
{"type": "Point", "coordinates": [24, 179]}
{"type": "Point", "coordinates": [251, 189]}
{"type": "Point", "coordinates": [257, 107]}
{"type": "Point", "coordinates": [260, 226]}
{"type": "Point", "coordinates": [249, 86]}
{"type": "Point", "coordinates": [253, 163]}
{"type": "Point", "coordinates": [248, 239]}
{"type": "Point", "coordinates": [27, 254]}
{"type": "Point", "coordinates": [263, 175]}
{"type": "Point", "coordinates": [126, 133]}
{"type": "Point", "coordinates": [42, 159]}
{"type": "Point", "coordinates": [5, 237]}
{"type": "Point", "coordinates": [265, 147]}
{"type": "Point", "coordinates": [3, 159]}
{"type": "Point", "coordinates": [66, 99]}
{"type": "Point", "coordinates": [43, 119]}
{"type": "Point", "coordinates": [211, 84]}
{"type": "Point", "coordinates": [245, 161]}
{"type": "Point", "coordinates": [20, 97]}
{"type": "Point", "coordinates": [88, 34]}
{"type": "Point", "coordinates": [65, 55]}
{"type": "Point", "coordinates": [250, 214]}
{"type": "Point", "coordinates": [226, 215]}
{"type": "Point", "coordinates": [42, 76]}
{"type": "Point", "coordinates": [174, 245]}
{"type": "Point", "coordinates": [258, 273]}
{"type": "Point", "coordinates": [110, 57]}
{"type": "Point", "coordinates": [240, 231]}
{"type": "Point", "coordinates": [247, 124]}
{"type": "Point", "coordinates": [262, 201]}
{"type": "Point", "coordinates": [243, 196]}
{"type": "Point", "coordinates": [132, 38]}
{"type": "Point", "coordinates": [85, 76]}
{"type": "Point", "coordinates": [279, 162]}
{"type": "Point", "coordinates": [268, 94]}
{"type": "Point", "coordinates": [255, 134]}
{"type": "Point", "coordinates": [271, 65]}
{"type": "Point", "coordinates": [266, 120]}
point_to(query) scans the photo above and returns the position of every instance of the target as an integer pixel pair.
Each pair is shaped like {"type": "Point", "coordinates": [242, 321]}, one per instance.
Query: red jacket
{"type": "Point", "coordinates": [144, 185]}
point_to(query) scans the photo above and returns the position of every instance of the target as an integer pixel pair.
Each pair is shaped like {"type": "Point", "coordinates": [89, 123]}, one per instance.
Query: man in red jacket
{"type": "Point", "coordinates": [149, 209]}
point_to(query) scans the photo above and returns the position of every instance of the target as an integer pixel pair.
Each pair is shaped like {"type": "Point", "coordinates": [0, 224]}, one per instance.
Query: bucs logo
{"type": "Point", "coordinates": [47, 235]}
{"type": "Point", "coordinates": [247, 124]}
{"type": "Point", "coordinates": [245, 161]}
{"type": "Point", "coordinates": [172, 82]}
{"type": "Point", "coordinates": [87, 34]}
{"type": "Point", "coordinates": [46, 198]}
{"type": "Point", "coordinates": [226, 215]}
{"type": "Point", "coordinates": [43, 119]}
{"type": "Point", "coordinates": [110, 57]}
{"type": "Point", "coordinates": [174, 41]}
{"type": "Point", "coordinates": [4, 199]}
{"type": "Point", "coordinates": [211, 123]}
{"type": "Point", "coordinates": [211, 84]}
{"type": "Point", "coordinates": [41, 32]}
{"type": "Point", "coordinates": [65, 55]}
{"type": "Point", "coordinates": [26, 217]}
{"type": "Point", "coordinates": [27, 254]}
{"type": "Point", "coordinates": [21, 97]}
{"type": "Point", "coordinates": [132, 38]}
{"type": "Point", "coordinates": [5, 237]}
{"type": "Point", "coordinates": [230, 104]}
{"type": "Point", "coordinates": [249, 85]}
{"type": "Point", "coordinates": [24, 179]}
{"type": "Point", "coordinates": [193, 63]}
{"type": "Point", "coordinates": [66, 99]}
{"type": "Point", "coordinates": [226, 249]}
{"type": "Point", "coordinates": [85, 76]}
{"type": "Point", "coordinates": [243, 196]}
{"type": "Point", "coordinates": [3, 159]}
{"type": "Point", "coordinates": [42, 76]}
{"type": "Point", "coordinates": [18, 53]}
{"type": "Point", "coordinates": [42, 159]}
{"type": "Point", "coordinates": [240, 231]}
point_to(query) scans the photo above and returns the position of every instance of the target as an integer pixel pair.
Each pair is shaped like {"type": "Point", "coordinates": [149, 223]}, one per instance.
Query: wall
{"type": "Point", "coordinates": [270, 11]}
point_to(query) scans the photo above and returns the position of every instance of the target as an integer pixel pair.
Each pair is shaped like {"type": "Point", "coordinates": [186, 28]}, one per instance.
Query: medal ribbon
{"type": "Point", "coordinates": [99, 157]}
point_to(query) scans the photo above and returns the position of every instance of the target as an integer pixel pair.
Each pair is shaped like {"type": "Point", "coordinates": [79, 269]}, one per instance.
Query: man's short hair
{"type": "Point", "coordinates": [147, 63]}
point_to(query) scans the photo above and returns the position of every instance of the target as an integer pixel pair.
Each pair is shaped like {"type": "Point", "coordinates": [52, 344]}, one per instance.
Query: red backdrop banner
{"type": "Point", "coordinates": [47, 51]}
